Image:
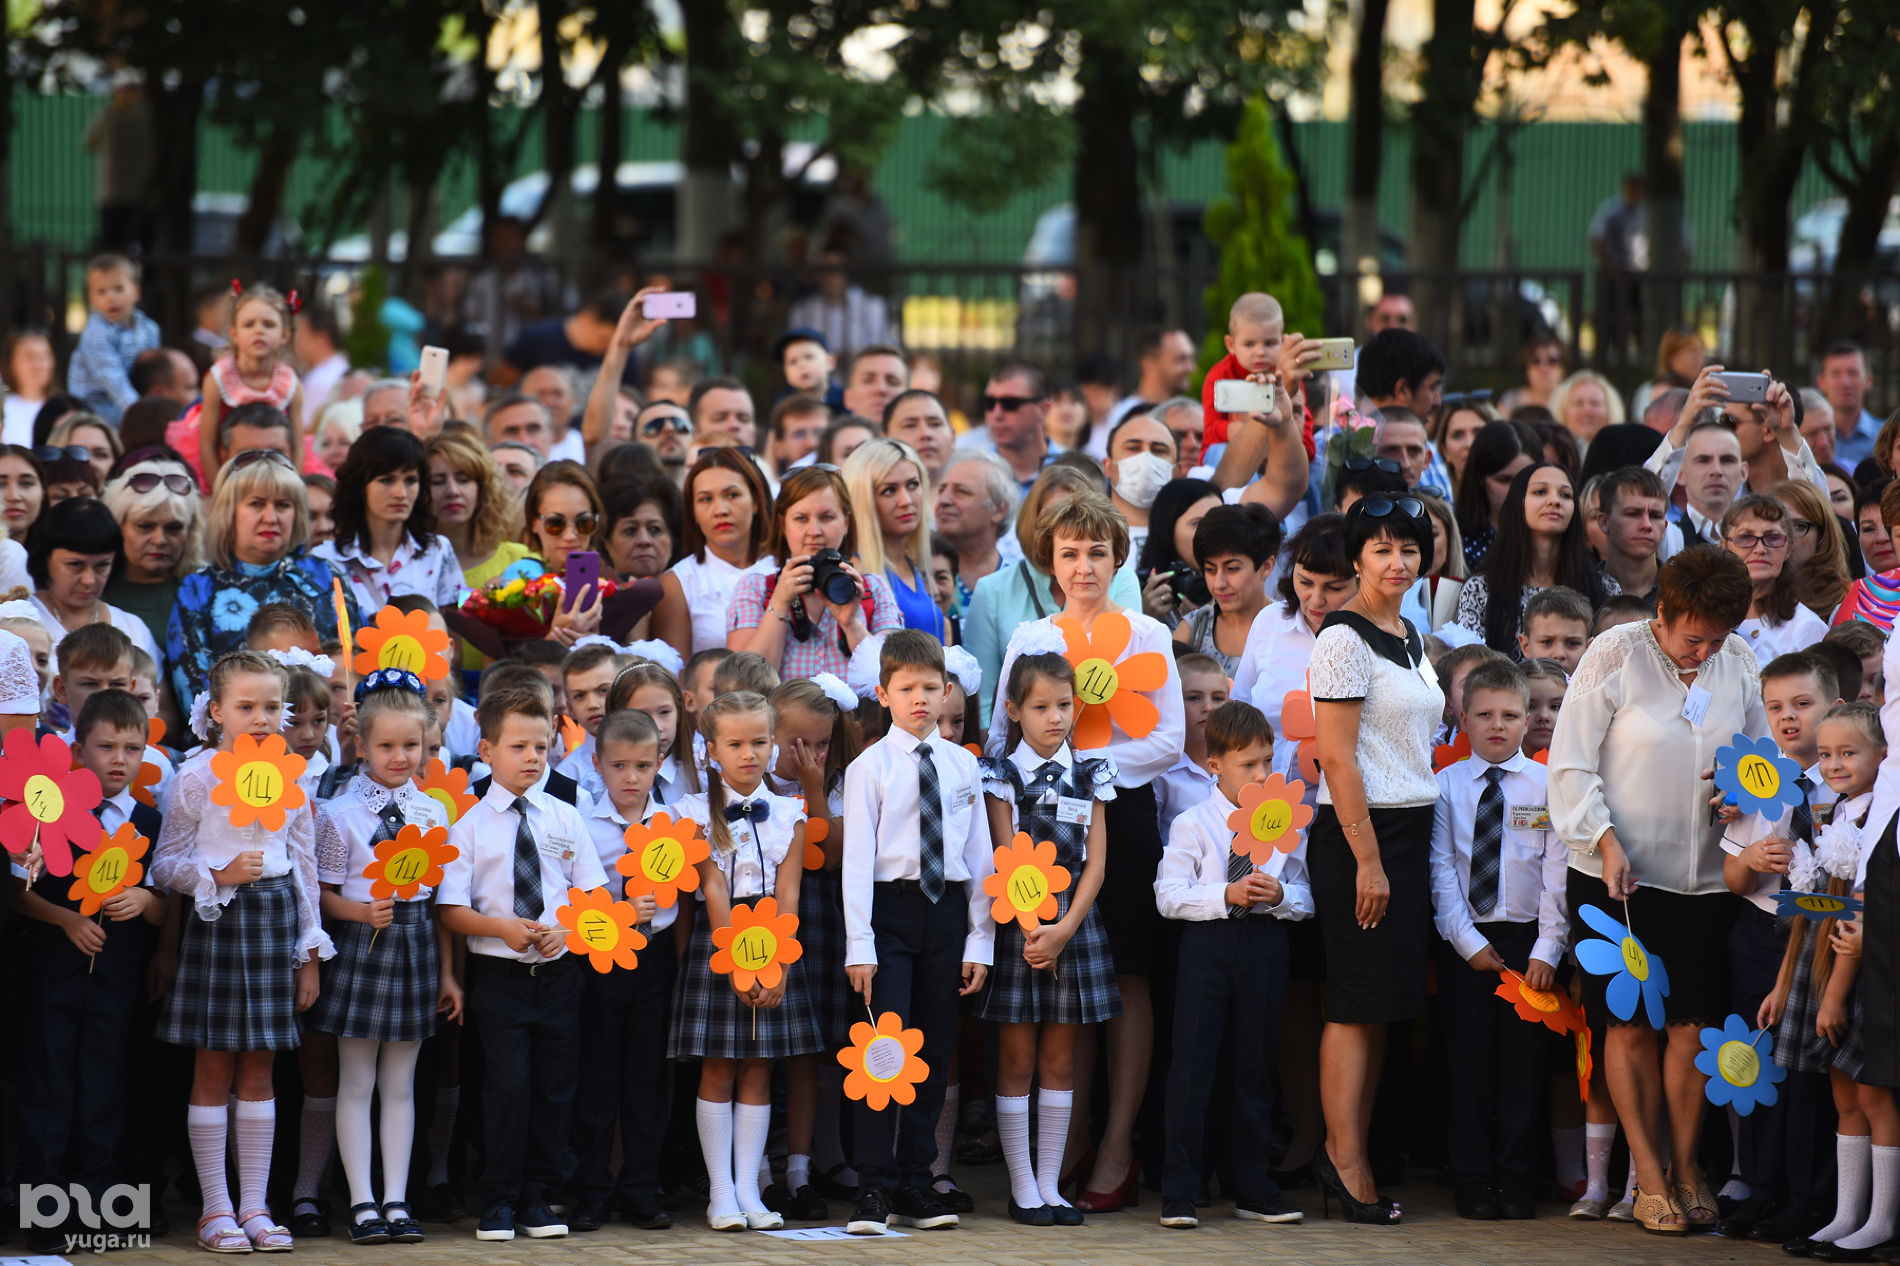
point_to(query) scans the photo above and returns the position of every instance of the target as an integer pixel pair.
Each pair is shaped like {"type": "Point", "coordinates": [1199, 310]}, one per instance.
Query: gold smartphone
{"type": "Point", "coordinates": [1334, 353]}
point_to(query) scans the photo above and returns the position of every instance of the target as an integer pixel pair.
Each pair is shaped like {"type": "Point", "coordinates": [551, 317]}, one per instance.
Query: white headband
{"type": "Point", "coordinates": [298, 657]}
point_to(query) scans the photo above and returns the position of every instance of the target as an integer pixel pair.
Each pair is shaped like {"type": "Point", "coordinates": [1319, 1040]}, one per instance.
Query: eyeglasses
{"type": "Point", "coordinates": [1746, 541]}
{"type": "Point", "coordinates": [1009, 404]}
{"type": "Point", "coordinates": [556, 524]}
{"type": "Point", "coordinates": [1359, 465]}
{"type": "Point", "coordinates": [1382, 507]}
{"type": "Point", "coordinates": [1464, 399]}
{"type": "Point", "coordinates": [145, 481]}
{"type": "Point", "coordinates": [1801, 527]}
{"type": "Point", "coordinates": [679, 425]}
{"type": "Point", "coordinates": [251, 456]}
{"type": "Point", "coordinates": [47, 454]}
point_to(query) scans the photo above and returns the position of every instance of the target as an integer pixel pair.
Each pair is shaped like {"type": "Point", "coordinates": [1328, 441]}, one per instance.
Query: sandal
{"type": "Point", "coordinates": [1699, 1210]}
{"type": "Point", "coordinates": [1650, 1209]}
{"type": "Point", "coordinates": [266, 1236]}
{"type": "Point", "coordinates": [228, 1238]}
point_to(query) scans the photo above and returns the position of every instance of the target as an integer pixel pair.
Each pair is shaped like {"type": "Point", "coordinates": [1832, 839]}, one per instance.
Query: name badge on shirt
{"type": "Point", "coordinates": [556, 847]}
{"type": "Point", "coordinates": [1696, 706]}
{"type": "Point", "coordinates": [1073, 811]}
{"type": "Point", "coordinates": [1530, 817]}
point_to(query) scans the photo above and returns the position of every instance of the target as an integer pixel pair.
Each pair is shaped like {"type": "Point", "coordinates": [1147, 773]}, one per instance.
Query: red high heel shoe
{"type": "Point", "coordinates": [1128, 1195]}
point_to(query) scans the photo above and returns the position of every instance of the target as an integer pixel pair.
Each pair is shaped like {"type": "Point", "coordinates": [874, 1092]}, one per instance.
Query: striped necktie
{"type": "Point", "coordinates": [1487, 844]}
{"type": "Point", "coordinates": [528, 902]}
{"type": "Point", "coordinates": [929, 825]}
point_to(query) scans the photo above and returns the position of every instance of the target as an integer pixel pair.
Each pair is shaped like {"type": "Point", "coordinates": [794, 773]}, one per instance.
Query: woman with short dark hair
{"type": "Point", "coordinates": [1234, 547]}
{"type": "Point", "coordinates": [386, 545]}
{"type": "Point", "coordinates": [75, 554]}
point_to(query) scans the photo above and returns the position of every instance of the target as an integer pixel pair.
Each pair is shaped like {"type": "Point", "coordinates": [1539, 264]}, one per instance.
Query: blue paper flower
{"type": "Point", "coordinates": [1635, 972]}
{"type": "Point", "coordinates": [1740, 1074]}
{"type": "Point", "coordinates": [521, 569]}
{"type": "Point", "coordinates": [1757, 777]}
{"type": "Point", "coordinates": [1816, 905]}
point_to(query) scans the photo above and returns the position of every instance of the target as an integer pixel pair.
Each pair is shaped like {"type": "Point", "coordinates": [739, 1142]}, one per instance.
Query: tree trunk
{"type": "Point", "coordinates": [1849, 314]}
{"type": "Point", "coordinates": [1439, 123]}
{"type": "Point", "coordinates": [1359, 243]}
{"type": "Point", "coordinates": [175, 111]}
{"type": "Point", "coordinates": [1662, 168]}
{"type": "Point", "coordinates": [602, 233]}
{"type": "Point", "coordinates": [560, 108]}
{"type": "Point", "coordinates": [711, 142]}
{"type": "Point", "coordinates": [274, 160]}
{"type": "Point", "coordinates": [1107, 195]}
{"type": "Point", "coordinates": [420, 177]}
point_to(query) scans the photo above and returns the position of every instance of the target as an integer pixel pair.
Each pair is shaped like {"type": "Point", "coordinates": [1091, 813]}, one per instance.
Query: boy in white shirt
{"type": "Point", "coordinates": [1498, 878]}
{"type": "Point", "coordinates": [1187, 782]}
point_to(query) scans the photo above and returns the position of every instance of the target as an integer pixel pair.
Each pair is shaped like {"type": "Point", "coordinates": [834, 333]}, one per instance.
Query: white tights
{"type": "Point", "coordinates": [366, 1067]}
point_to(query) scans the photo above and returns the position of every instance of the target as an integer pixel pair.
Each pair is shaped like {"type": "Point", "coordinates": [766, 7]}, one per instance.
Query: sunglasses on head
{"type": "Point", "coordinates": [679, 425]}
{"type": "Point", "coordinates": [1382, 507]}
{"type": "Point", "coordinates": [251, 456]}
{"type": "Point", "coordinates": [46, 453]}
{"type": "Point", "coordinates": [1459, 399]}
{"type": "Point", "coordinates": [556, 524]}
{"type": "Point", "coordinates": [1359, 465]}
{"type": "Point", "coordinates": [147, 480]}
{"type": "Point", "coordinates": [1009, 404]}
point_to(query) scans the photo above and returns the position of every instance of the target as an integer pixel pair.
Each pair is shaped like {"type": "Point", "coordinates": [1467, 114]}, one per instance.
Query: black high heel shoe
{"type": "Point", "coordinates": [1375, 1213]}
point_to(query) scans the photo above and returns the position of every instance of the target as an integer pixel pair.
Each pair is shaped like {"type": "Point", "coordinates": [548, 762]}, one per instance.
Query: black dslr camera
{"type": "Point", "coordinates": [830, 580]}
{"type": "Point", "coordinates": [1184, 579]}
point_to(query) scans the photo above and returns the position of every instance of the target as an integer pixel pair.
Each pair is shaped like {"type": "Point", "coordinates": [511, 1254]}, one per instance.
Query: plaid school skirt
{"type": "Point", "coordinates": [236, 985]}
{"type": "Point", "coordinates": [821, 932]}
{"type": "Point", "coordinates": [1081, 990]}
{"type": "Point", "coordinates": [711, 1022]}
{"type": "Point", "coordinates": [385, 992]}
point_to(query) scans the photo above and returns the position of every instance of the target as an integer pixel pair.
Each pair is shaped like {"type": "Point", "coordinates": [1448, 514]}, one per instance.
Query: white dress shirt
{"type": "Point", "coordinates": [1623, 755]}
{"type": "Point", "coordinates": [882, 841]}
{"type": "Point", "coordinates": [751, 864]}
{"type": "Point", "coordinates": [464, 733]}
{"type": "Point", "coordinates": [1027, 762]}
{"type": "Point", "coordinates": [1138, 761]}
{"type": "Point", "coordinates": [607, 828]}
{"type": "Point", "coordinates": [579, 765]}
{"type": "Point", "coordinates": [1751, 827]}
{"type": "Point", "coordinates": [348, 822]}
{"type": "Point", "coordinates": [1797, 633]}
{"type": "Point", "coordinates": [1272, 664]}
{"type": "Point", "coordinates": [1191, 881]}
{"type": "Point", "coordinates": [482, 876]}
{"type": "Point", "coordinates": [1185, 784]}
{"type": "Point", "coordinates": [1532, 860]}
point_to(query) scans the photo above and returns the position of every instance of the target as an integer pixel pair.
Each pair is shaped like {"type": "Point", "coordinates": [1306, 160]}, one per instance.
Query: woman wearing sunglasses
{"type": "Point", "coordinates": [1540, 543]}
{"type": "Point", "coordinates": [155, 501]}
{"type": "Point", "coordinates": [386, 544]}
{"type": "Point", "coordinates": [1759, 530]}
{"type": "Point", "coordinates": [562, 511]}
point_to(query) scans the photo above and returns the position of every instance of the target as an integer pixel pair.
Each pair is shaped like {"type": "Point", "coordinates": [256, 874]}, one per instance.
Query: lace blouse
{"type": "Point", "coordinates": [1401, 704]}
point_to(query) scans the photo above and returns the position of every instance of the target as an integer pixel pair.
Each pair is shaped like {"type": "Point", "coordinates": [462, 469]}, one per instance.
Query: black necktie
{"type": "Point", "coordinates": [1487, 844]}
{"type": "Point", "coordinates": [756, 810]}
{"type": "Point", "coordinates": [528, 904]}
{"type": "Point", "coordinates": [1802, 826]}
{"type": "Point", "coordinates": [929, 825]}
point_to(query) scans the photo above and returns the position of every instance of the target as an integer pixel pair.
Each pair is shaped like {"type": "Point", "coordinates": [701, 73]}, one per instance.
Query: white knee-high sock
{"type": "Point", "coordinates": [355, 1086]}
{"type": "Point", "coordinates": [1853, 1172]}
{"type": "Point", "coordinates": [316, 1135]}
{"type": "Point", "coordinates": [946, 1131]}
{"type": "Point", "coordinates": [1878, 1228]}
{"type": "Point", "coordinates": [396, 1083]}
{"type": "Point", "coordinates": [1052, 1134]}
{"type": "Point", "coordinates": [1012, 1128]}
{"type": "Point", "coordinates": [1598, 1142]}
{"type": "Point", "coordinates": [797, 1171]}
{"type": "Point", "coordinates": [751, 1123]}
{"type": "Point", "coordinates": [442, 1130]}
{"type": "Point", "coordinates": [715, 1145]}
{"type": "Point", "coordinates": [1566, 1145]}
{"type": "Point", "coordinates": [256, 1123]}
{"type": "Point", "coordinates": [205, 1126]}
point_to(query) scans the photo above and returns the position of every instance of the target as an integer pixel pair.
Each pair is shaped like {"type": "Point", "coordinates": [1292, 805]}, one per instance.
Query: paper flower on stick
{"type": "Point", "coordinates": [448, 788]}
{"type": "Point", "coordinates": [1816, 905]}
{"type": "Point", "coordinates": [409, 863]}
{"type": "Point", "coordinates": [1585, 1065]}
{"type": "Point", "coordinates": [150, 773]}
{"type": "Point", "coordinates": [47, 799]}
{"type": "Point", "coordinates": [1740, 1075]}
{"type": "Point", "coordinates": [402, 639]}
{"type": "Point", "coordinates": [758, 946]}
{"type": "Point", "coordinates": [1448, 754]}
{"type": "Point", "coordinates": [1756, 777]}
{"type": "Point", "coordinates": [1106, 684]}
{"type": "Point", "coordinates": [662, 858]}
{"type": "Point", "coordinates": [257, 781]}
{"type": "Point", "coordinates": [601, 928]}
{"type": "Point", "coordinates": [817, 831]}
{"type": "Point", "coordinates": [108, 870]}
{"type": "Point", "coordinates": [1026, 882]}
{"type": "Point", "coordinates": [881, 1063]}
{"type": "Point", "coordinates": [1270, 818]}
{"type": "Point", "coordinates": [1550, 1007]}
{"type": "Point", "coordinates": [1635, 973]}
{"type": "Point", "coordinates": [1296, 723]}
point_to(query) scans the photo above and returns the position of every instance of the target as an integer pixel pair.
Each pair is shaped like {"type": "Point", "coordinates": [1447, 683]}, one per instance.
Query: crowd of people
{"type": "Point", "coordinates": [872, 642]}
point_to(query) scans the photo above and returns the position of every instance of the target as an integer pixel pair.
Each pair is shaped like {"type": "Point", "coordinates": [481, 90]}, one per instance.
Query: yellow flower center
{"type": "Point", "coordinates": [1635, 960]}
{"type": "Point", "coordinates": [1096, 681]}
{"type": "Point", "coordinates": [598, 929]}
{"type": "Point", "coordinates": [44, 800]}
{"type": "Point", "coordinates": [1739, 1063]}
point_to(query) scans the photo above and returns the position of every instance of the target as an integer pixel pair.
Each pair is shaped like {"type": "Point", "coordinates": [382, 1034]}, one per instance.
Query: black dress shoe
{"type": "Point", "coordinates": [440, 1203]}
{"type": "Point", "coordinates": [588, 1215]}
{"type": "Point", "coordinates": [1040, 1215]}
{"type": "Point", "coordinates": [309, 1220]}
{"type": "Point", "coordinates": [778, 1198]}
{"type": "Point", "coordinates": [645, 1212]}
{"type": "Point", "coordinates": [1066, 1215]}
{"type": "Point", "coordinates": [1887, 1252]}
{"type": "Point", "coordinates": [806, 1205]}
{"type": "Point", "coordinates": [1478, 1204]}
{"type": "Point", "coordinates": [1801, 1246]}
{"type": "Point", "coordinates": [1515, 1205]}
{"type": "Point", "coordinates": [1828, 1252]}
{"type": "Point", "coordinates": [1741, 1220]}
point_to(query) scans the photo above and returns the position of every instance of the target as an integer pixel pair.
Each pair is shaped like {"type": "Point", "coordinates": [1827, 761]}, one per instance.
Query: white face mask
{"type": "Point", "coordinates": [1138, 479]}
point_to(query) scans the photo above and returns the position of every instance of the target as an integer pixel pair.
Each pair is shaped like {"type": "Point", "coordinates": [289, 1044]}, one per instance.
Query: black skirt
{"type": "Point", "coordinates": [1689, 933]}
{"type": "Point", "coordinates": [1127, 899]}
{"type": "Point", "coordinates": [1374, 975]}
{"type": "Point", "coordinates": [1880, 965]}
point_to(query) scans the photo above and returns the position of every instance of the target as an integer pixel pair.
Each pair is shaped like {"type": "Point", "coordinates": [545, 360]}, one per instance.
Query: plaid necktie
{"type": "Point", "coordinates": [527, 866]}
{"type": "Point", "coordinates": [1487, 844]}
{"type": "Point", "coordinates": [1802, 826]}
{"type": "Point", "coordinates": [1238, 868]}
{"type": "Point", "coordinates": [1046, 776]}
{"type": "Point", "coordinates": [929, 825]}
{"type": "Point", "coordinates": [392, 821]}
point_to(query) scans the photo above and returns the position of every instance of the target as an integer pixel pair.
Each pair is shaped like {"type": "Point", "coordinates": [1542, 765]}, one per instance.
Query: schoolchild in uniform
{"type": "Point", "coordinates": [650, 687]}
{"type": "Point", "coordinates": [587, 674]}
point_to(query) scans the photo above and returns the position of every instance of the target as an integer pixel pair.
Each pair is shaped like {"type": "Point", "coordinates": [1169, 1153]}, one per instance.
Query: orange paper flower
{"type": "Point", "coordinates": [817, 831]}
{"type": "Point", "coordinates": [448, 788]}
{"type": "Point", "coordinates": [758, 945]}
{"type": "Point", "coordinates": [1446, 754]}
{"type": "Point", "coordinates": [1296, 723]}
{"type": "Point", "coordinates": [1585, 1066]}
{"type": "Point", "coordinates": [661, 858]}
{"type": "Point", "coordinates": [399, 639]}
{"type": "Point", "coordinates": [1543, 757]}
{"type": "Point", "coordinates": [410, 862]}
{"type": "Point", "coordinates": [601, 928]}
{"type": "Point", "coordinates": [572, 735]}
{"type": "Point", "coordinates": [881, 1063]}
{"type": "Point", "coordinates": [47, 799]}
{"type": "Point", "coordinates": [1106, 684]}
{"type": "Point", "coordinates": [108, 870]}
{"type": "Point", "coordinates": [257, 781]}
{"type": "Point", "coordinates": [1026, 882]}
{"type": "Point", "coordinates": [1550, 1007]}
{"type": "Point", "coordinates": [1270, 818]}
{"type": "Point", "coordinates": [149, 774]}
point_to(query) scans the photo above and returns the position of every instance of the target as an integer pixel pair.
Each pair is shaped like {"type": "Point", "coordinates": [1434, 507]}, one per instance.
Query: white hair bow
{"type": "Point", "coordinates": [963, 666]}
{"type": "Point", "coordinates": [836, 691]}
{"type": "Point", "coordinates": [200, 715]}
{"type": "Point", "coordinates": [290, 716]}
{"type": "Point", "coordinates": [297, 657]}
{"type": "Point", "coordinates": [1037, 638]}
{"type": "Point", "coordinates": [862, 673]}
{"type": "Point", "coordinates": [650, 649]}
{"type": "Point", "coordinates": [18, 609]}
{"type": "Point", "coordinates": [1837, 849]}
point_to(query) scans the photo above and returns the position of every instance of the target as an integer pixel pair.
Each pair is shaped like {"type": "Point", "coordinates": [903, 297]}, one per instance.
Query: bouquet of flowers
{"type": "Point", "coordinates": [521, 607]}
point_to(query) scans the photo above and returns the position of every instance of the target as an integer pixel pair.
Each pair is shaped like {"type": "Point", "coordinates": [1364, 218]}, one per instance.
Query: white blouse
{"type": "Point", "coordinates": [120, 619]}
{"type": "Point", "coordinates": [197, 838]}
{"type": "Point", "coordinates": [1797, 633]}
{"type": "Point", "coordinates": [347, 824]}
{"type": "Point", "coordinates": [751, 864]}
{"type": "Point", "coordinates": [1272, 664]}
{"type": "Point", "coordinates": [1400, 709]}
{"type": "Point", "coordinates": [1625, 755]}
{"type": "Point", "coordinates": [429, 570]}
{"type": "Point", "coordinates": [707, 587]}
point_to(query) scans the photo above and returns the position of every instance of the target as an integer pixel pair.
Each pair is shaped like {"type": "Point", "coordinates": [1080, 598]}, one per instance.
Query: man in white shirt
{"type": "Point", "coordinates": [557, 387]}
{"type": "Point", "coordinates": [319, 345]}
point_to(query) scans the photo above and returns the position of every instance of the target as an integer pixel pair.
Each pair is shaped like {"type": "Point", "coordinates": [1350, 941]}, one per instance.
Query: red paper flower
{"type": "Point", "coordinates": [1447, 754]}
{"type": "Point", "coordinates": [46, 797]}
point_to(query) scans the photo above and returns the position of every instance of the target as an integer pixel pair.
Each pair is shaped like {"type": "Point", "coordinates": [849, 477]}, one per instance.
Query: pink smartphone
{"type": "Point", "coordinates": [583, 569]}
{"type": "Point", "coordinates": [674, 303]}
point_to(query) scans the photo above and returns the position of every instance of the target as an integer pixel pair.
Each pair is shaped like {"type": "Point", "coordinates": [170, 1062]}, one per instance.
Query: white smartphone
{"type": "Point", "coordinates": [1237, 395]}
{"type": "Point", "coordinates": [434, 367]}
{"type": "Point", "coordinates": [674, 303]}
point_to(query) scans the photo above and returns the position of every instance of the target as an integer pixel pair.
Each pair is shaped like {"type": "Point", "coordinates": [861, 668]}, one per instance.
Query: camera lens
{"type": "Point", "coordinates": [840, 588]}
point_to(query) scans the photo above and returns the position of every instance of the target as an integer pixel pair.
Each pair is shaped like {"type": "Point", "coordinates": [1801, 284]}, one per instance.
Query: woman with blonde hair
{"type": "Point", "coordinates": [1585, 403]}
{"type": "Point", "coordinates": [475, 506]}
{"type": "Point", "coordinates": [890, 505]}
{"type": "Point", "coordinates": [155, 500]}
{"type": "Point", "coordinates": [1818, 549]}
